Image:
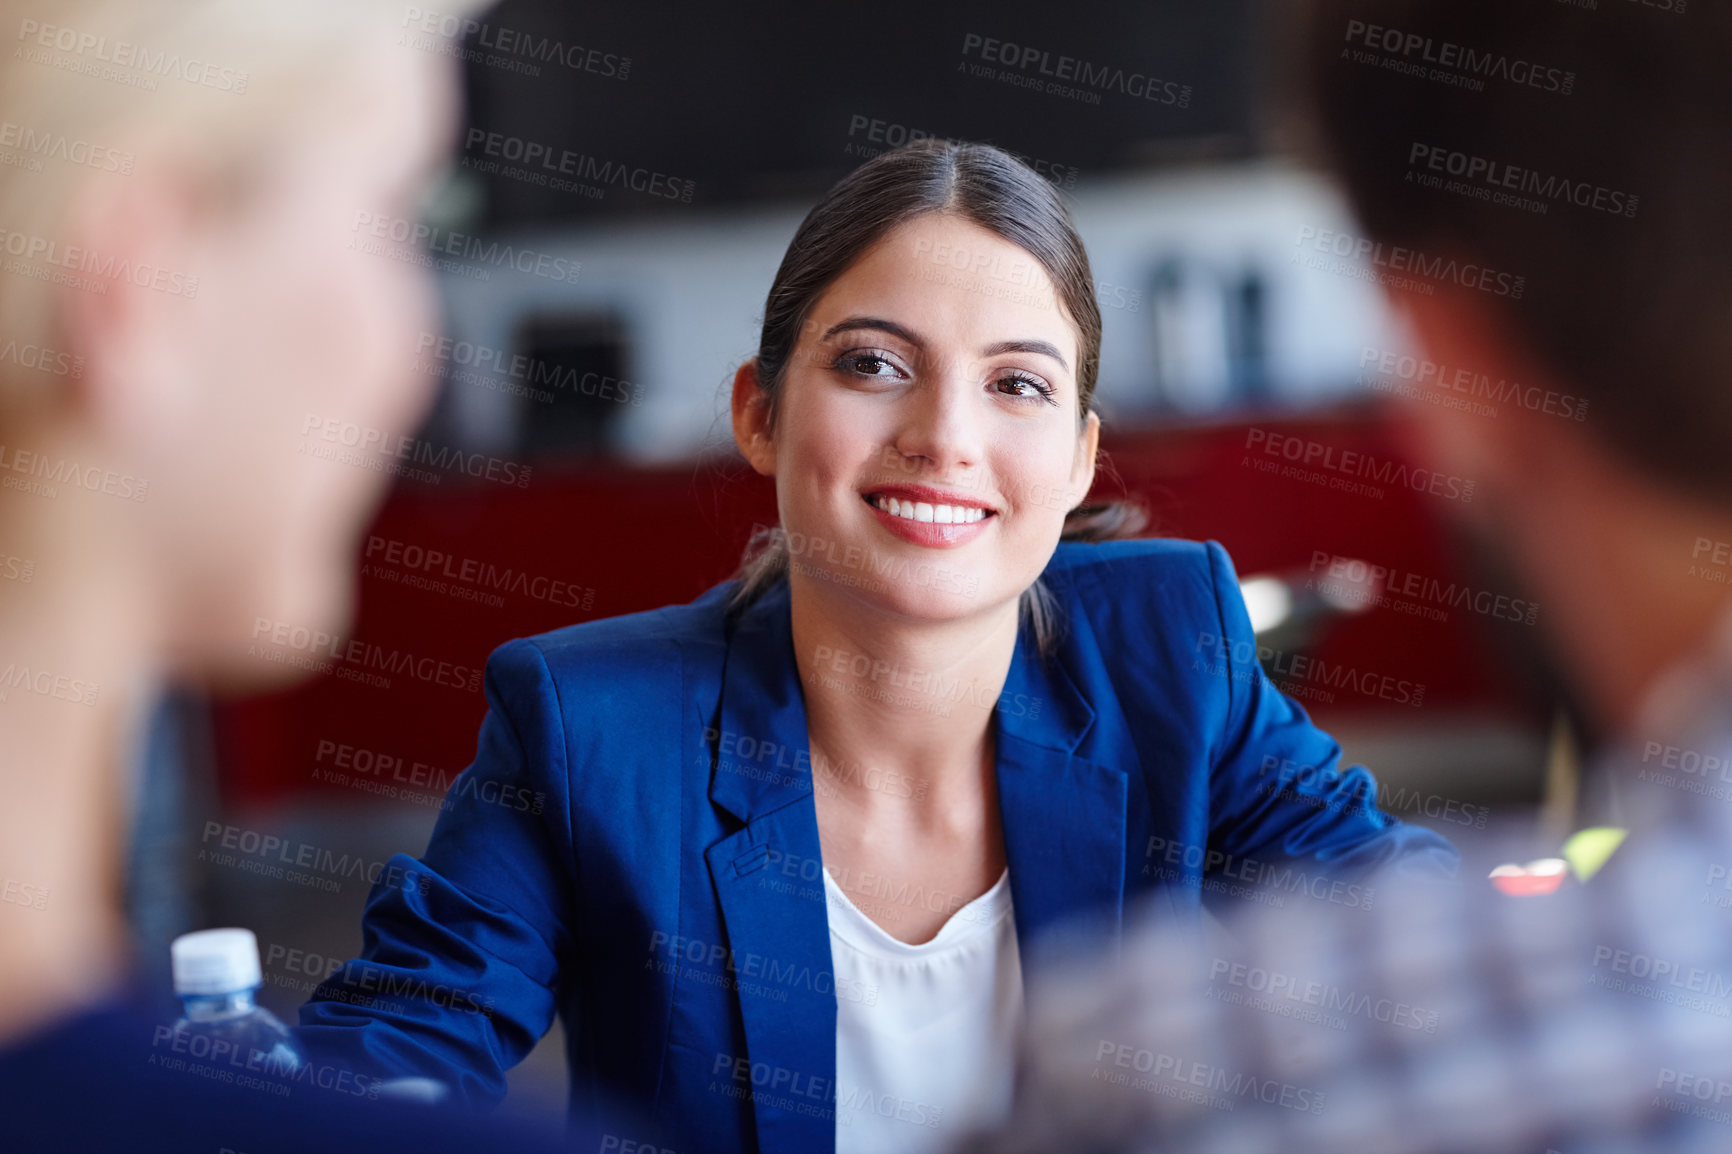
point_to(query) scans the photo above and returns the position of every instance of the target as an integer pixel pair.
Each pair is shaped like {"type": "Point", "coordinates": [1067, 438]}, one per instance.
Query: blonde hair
{"type": "Point", "coordinates": [93, 85]}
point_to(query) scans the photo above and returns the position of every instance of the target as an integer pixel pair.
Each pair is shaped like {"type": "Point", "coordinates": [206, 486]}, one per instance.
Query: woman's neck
{"type": "Point", "coordinates": [75, 679]}
{"type": "Point", "coordinates": [898, 700]}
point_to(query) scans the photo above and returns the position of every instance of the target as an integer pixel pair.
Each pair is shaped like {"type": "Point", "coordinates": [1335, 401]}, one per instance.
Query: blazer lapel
{"type": "Point", "coordinates": [1064, 820]}
{"type": "Point", "coordinates": [768, 878]}
{"type": "Point", "coordinates": [1064, 815]}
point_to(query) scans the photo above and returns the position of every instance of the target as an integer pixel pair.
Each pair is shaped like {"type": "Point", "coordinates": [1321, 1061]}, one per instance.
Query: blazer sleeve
{"type": "Point", "coordinates": [462, 950]}
{"type": "Point", "coordinates": [1278, 790]}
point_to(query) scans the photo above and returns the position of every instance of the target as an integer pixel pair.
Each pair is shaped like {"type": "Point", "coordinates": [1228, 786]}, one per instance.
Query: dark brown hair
{"type": "Point", "coordinates": [985, 186]}
{"type": "Point", "coordinates": [1616, 117]}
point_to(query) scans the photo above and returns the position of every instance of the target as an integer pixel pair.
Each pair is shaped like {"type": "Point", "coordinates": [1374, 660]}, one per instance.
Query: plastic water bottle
{"type": "Point", "coordinates": [216, 973]}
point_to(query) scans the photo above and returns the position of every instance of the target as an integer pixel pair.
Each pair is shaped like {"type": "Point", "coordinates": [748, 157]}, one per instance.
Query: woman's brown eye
{"type": "Point", "coordinates": [1016, 385]}
{"type": "Point", "coordinates": [865, 364]}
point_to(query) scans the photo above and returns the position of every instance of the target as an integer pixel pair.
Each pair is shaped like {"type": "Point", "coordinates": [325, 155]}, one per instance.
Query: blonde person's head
{"type": "Point", "coordinates": [185, 300]}
{"type": "Point", "coordinates": [212, 84]}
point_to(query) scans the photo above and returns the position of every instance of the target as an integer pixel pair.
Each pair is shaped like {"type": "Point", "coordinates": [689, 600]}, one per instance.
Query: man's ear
{"type": "Point", "coordinates": [1466, 337]}
{"type": "Point", "coordinates": [131, 330]}
{"type": "Point", "coordinates": [752, 420]}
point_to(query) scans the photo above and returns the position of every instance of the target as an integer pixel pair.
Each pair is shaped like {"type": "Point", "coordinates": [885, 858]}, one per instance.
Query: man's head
{"type": "Point", "coordinates": [1586, 150]}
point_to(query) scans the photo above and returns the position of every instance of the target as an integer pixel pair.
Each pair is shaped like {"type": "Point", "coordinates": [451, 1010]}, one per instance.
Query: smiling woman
{"type": "Point", "coordinates": [800, 833]}
{"type": "Point", "coordinates": [972, 224]}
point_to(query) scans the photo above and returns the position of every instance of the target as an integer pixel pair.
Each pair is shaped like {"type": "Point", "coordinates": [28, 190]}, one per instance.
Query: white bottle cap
{"type": "Point", "coordinates": [215, 962]}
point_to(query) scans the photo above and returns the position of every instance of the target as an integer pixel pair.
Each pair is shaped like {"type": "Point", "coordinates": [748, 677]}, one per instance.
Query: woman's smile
{"type": "Point", "coordinates": [928, 516]}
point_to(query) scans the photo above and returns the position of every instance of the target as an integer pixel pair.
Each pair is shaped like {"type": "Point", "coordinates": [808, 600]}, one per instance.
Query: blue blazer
{"type": "Point", "coordinates": [635, 847]}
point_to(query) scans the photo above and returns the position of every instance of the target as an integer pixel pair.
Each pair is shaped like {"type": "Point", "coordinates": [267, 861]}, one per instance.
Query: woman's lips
{"type": "Point", "coordinates": [932, 532]}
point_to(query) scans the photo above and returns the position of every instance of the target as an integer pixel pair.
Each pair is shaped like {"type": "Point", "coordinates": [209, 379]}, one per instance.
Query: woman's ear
{"type": "Point", "coordinates": [1082, 474]}
{"type": "Point", "coordinates": [752, 420]}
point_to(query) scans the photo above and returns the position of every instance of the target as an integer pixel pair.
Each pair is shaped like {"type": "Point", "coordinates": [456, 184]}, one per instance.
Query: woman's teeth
{"type": "Point", "coordinates": [921, 511]}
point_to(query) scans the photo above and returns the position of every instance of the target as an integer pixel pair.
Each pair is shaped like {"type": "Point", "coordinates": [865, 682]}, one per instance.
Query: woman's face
{"type": "Point", "coordinates": [927, 441]}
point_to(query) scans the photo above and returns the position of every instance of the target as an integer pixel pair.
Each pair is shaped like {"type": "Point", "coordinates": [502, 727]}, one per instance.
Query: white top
{"type": "Point", "coordinates": [926, 1034]}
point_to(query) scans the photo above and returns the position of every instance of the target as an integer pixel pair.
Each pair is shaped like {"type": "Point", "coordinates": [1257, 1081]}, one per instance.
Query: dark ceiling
{"type": "Point", "coordinates": [776, 99]}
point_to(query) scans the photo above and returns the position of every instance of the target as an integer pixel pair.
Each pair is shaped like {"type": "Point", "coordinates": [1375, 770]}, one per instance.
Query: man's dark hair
{"type": "Point", "coordinates": [1442, 116]}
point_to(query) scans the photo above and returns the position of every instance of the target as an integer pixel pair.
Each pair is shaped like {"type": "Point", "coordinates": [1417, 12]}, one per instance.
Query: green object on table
{"type": "Point", "coordinates": [1589, 849]}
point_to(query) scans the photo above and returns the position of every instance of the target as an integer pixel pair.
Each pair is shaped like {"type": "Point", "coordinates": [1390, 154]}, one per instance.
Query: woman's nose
{"type": "Point", "coordinates": [941, 421]}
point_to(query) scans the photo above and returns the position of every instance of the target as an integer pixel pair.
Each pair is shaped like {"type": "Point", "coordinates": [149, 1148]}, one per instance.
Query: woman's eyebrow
{"type": "Point", "coordinates": [1044, 348]}
{"type": "Point", "coordinates": [879, 323]}
{"type": "Point", "coordinates": [852, 324]}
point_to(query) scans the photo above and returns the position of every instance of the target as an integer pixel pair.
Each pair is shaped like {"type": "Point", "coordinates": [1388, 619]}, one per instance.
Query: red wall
{"type": "Point", "coordinates": [639, 538]}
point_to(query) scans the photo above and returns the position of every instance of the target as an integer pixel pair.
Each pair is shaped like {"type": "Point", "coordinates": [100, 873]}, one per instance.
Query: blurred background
{"type": "Point", "coordinates": [628, 180]}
